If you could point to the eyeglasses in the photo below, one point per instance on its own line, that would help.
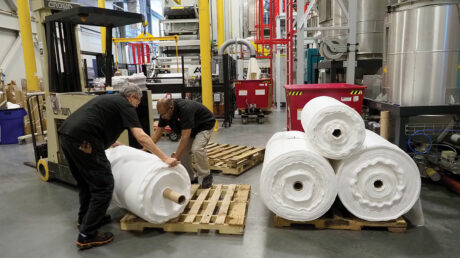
(163, 114)
(137, 98)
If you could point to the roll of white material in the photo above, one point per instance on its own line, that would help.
(141, 178)
(334, 129)
(378, 183)
(296, 183)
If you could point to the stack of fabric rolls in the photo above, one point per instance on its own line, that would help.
(303, 173)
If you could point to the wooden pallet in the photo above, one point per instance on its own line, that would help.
(233, 159)
(333, 220)
(222, 208)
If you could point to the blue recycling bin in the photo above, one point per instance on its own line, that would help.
(11, 125)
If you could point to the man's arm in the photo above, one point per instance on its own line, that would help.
(184, 140)
(157, 134)
(147, 142)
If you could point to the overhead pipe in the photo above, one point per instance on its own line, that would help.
(235, 42)
(27, 45)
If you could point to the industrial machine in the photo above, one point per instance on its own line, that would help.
(334, 17)
(181, 18)
(253, 97)
(312, 58)
(421, 84)
(64, 83)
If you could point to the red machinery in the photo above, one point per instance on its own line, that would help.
(299, 95)
(253, 97)
(140, 54)
(288, 7)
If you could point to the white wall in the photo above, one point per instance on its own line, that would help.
(89, 41)
(15, 69)
(7, 37)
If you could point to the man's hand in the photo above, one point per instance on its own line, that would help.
(116, 144)
(172, 162)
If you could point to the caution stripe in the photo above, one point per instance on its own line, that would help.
(295, 93)
(356, 92)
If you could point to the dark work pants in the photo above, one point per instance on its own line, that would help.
(95, 182)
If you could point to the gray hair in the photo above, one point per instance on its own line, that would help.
(129, 89)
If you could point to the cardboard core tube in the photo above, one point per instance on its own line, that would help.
(173, 196)
(385, 124)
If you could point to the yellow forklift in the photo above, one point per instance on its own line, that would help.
(64, 82)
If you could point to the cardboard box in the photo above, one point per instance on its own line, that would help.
(34, 109)
(13, 94)
(34, 112)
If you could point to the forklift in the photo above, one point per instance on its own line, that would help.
(64, 80)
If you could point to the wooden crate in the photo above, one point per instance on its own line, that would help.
(233, 159)
(222, 208)
(337, 220)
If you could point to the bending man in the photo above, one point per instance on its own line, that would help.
(194, 123)
(84, 136)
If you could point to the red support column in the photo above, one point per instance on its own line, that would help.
(148, 52)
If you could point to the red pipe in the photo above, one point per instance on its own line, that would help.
(139, 56)
(133, 49)
(148, 52)
(452, 184)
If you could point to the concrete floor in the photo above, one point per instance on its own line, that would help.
(37, 219)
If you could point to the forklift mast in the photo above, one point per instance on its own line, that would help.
(63, 75)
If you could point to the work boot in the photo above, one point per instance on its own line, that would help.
(207, 181)
(86, 242)
(194, 180)
(105, 220)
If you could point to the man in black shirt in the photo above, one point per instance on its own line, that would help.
(194, 123)
(84, 136)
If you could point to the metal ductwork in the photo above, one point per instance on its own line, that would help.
(237, 41)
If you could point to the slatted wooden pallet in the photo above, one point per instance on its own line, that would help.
(333, 220)
(222, 208)
(233, 159)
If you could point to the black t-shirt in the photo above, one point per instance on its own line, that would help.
(101, 120)
(189, 114)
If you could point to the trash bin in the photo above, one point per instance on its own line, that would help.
(257, 93)
(11, 125)
(299, 95)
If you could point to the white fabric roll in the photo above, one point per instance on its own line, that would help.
(378, 183)
(296, 183)
(141, 178)
(334, 129)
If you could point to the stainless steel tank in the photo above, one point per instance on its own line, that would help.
(370, 25)
(422, 56)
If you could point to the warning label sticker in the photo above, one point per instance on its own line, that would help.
(355, 98)
(260, 92)
(243, 93)
(345, 99)
(299, 113)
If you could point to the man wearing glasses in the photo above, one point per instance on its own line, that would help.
(194, 123)
(84, 136)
